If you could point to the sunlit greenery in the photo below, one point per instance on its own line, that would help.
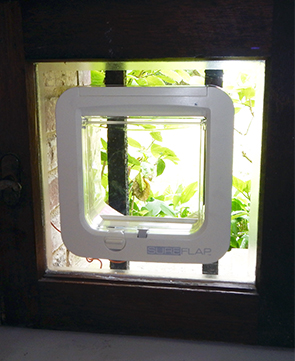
(148, 201)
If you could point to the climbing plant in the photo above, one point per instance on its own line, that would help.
(152, 158)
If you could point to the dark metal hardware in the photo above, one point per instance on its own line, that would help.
(10, 187)
(118, 166)
(212, 77)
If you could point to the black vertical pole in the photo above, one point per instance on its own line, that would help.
(117, 160)
(212, 77)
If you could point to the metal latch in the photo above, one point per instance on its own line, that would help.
(10, 187)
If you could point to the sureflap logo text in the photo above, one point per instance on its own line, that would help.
(176, 251)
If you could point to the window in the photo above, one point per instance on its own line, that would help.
(244, 82)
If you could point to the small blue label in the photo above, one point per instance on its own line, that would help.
(165, 251)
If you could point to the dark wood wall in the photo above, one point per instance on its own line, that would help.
(34, 30)
(131, 29)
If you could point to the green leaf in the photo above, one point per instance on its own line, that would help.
(133, 160)
(239, 184)
(141, 183)
(104, 181)
(159, 151)
(160, 166)
(154, 207)
(141, 81)
(143, 212)
(167, 79)
(148, 126)
(167, 210)
(247, 188)
(244, 77)
(168, 191)
(103, 156)
(188, 192)
(134, 204)
(176, 200)
(241, 94)
(160, 198)
(245, 241)
(104, 143)
(249, 92)
(154, 81)
(193, 72)
(234, 227)
(242, 187)
(239, 214)
(237, 205)
(157, 136)
(179, 189)
(184, 212)
(185, 76)
(97, 78)
(135, 73)
(233, 242)
(172, 74)
(134, 143)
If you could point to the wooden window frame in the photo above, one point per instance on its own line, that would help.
(255, 314)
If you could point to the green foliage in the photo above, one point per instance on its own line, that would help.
(157, 77)
(188, 192)
(243, 96)
(163, 152)
(146, 201)
(161, 165)
(242, 187)
(97, 77)
(240, 214)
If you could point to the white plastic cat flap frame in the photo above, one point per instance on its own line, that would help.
(91, 228)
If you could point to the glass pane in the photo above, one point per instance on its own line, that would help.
(163, 181)
(243, 81)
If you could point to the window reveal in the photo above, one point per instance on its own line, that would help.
(127, 110)
(234, 260)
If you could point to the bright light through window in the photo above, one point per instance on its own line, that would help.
(243, 81)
